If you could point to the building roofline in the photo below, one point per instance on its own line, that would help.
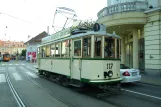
(37, 38)
(153, 9)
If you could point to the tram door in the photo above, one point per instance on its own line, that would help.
(38, 56)
(75, 60)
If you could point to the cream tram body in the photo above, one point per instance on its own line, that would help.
(91, 57)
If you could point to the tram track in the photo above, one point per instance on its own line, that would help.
(100, 95)
(18, 99)
(44, 89)
(95, 97)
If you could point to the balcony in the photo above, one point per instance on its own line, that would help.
(123, 7)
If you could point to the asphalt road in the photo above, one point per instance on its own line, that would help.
(37, 91)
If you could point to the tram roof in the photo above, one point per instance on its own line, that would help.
(99, 33)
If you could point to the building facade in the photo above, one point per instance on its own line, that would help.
(31, 46)
(11, 47)
(138, 23)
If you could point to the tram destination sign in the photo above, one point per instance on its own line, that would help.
(58, 35)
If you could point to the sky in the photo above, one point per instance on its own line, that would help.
(21, 18)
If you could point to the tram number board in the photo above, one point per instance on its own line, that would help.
(109, 65)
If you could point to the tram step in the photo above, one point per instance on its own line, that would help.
(76, 85)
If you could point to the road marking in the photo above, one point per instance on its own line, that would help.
(16, 76)
(16, 64)
(10, 64)
(141, 94)
(22, 64)
(3, 64)
(2, 78)
(31, 74)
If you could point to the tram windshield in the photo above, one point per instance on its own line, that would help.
(6, 55)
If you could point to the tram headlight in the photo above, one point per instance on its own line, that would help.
(110, 73)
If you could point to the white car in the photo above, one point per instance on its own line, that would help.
(129, 75)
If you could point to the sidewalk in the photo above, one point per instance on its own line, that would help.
(154, 80)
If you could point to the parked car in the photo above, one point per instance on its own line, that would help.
(129, 75)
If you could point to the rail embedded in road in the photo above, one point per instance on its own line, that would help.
(14, 92)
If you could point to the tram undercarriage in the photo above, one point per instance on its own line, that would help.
(65, 81)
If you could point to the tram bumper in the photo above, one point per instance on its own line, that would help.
(106, 81)
(108, 84)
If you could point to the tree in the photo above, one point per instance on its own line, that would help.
(86, 25)
(23, 53)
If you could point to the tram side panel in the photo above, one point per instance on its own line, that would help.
(58, 66)
(61, 66)
(45, 64)
(94, 69)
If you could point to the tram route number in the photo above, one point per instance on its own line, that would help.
(109, 65)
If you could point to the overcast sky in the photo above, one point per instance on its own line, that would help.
(20, 18)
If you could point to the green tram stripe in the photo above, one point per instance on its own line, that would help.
(81, 58)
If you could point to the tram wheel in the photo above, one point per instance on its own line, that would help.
(40, 72)
(66, 82)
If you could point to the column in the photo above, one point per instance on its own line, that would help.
(123, 49)
(135, 49)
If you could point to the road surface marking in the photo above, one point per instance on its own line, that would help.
(3, 64)
(2, 78)
(16, 76)
(17, 64)
(22, 64)
(10, 64)
(141, 94)
(31, 74)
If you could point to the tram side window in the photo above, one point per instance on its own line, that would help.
(86, 47)
(48, 51)
(52, 50)
(98, 46)
(57, 50)
(69, 49)
(38, 52)
(109, 47)
(64, 48)
(43, 51)
(118, 48)
(77, 48)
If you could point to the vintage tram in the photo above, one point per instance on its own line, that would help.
(80, 56)
(6, 57)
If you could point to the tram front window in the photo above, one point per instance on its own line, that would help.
(98, 46)
(109, 48)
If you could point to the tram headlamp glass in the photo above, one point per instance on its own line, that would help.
(110, 73)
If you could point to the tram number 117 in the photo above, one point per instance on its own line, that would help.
(109, 65)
